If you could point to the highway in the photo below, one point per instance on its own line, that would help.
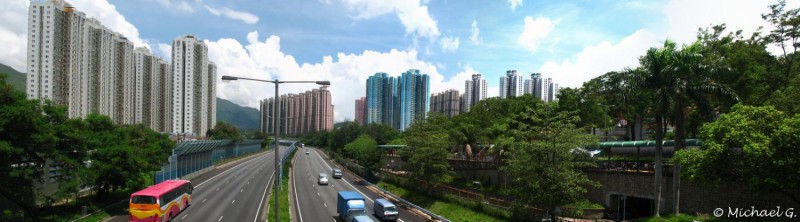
(236, 192)
(315, 203)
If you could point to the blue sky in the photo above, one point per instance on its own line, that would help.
(345, 41)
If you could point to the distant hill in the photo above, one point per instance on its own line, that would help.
(16, 78)
(242, 117)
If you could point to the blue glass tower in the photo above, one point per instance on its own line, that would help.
(397, 101)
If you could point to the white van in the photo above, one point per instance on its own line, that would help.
(385, 210)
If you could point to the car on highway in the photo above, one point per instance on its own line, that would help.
(306, 152)
(323, 179)
(337, 173)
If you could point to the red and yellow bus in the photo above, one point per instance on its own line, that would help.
(160, 202)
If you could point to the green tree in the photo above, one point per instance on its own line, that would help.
(126, 155)
(754, 145)
(225, 131)
(382, 133)
(366, 151)
(427, 145)
(346, 133)
(785, 35)
(545, 161)
(24, 146)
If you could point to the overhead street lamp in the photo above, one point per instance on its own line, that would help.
(275, 122)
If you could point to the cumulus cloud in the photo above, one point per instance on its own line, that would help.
(14, 34)
(233, 14)
(449, 44)
(413, 14)
(263, 59)
(598, 59)
(475, 32)
(514, 4)
(165, 51)
(534, 32)
(176, 4)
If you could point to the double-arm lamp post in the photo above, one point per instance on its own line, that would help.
(275, 122)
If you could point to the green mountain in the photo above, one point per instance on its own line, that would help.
(243, 118)
(16, 78)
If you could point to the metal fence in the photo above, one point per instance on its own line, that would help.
(192, 158)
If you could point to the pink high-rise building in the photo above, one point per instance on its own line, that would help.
(361, 108)
(298, 114)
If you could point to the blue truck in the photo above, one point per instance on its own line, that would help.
(351, 207)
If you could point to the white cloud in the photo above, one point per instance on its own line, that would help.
(474, 37)
(413, 14)
(449, 44)
(176, 4)
(233, 14)
(514, 4)
(686, 16)
(348, 73)
(14, 34)
(596, 60)
(534, 32)
(165, 51)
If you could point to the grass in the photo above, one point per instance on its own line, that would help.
(449, 210)
(283, 194)
(679, 218)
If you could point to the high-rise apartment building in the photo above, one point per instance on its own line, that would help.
(511, 85)
(543, 89)
(397, 101)
(124, 82)
(361, 109)
(381, 98)
(413, 97)
(302, 113)
(447, 103)
(152, 84)
(474, 91)
(191, 85)
(552, 91)
(75, 61)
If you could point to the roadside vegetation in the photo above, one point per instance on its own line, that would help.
(452, 208)
(283, 194)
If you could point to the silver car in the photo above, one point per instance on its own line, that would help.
(323, 179)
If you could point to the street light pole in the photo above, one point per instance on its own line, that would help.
(275, 126)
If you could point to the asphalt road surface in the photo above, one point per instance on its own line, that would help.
(236, 192)
(317, 203)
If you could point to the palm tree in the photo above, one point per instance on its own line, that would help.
(691, 85)
(681, 80)
(655, 65)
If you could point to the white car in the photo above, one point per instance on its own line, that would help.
(306, 152)
(323, 179)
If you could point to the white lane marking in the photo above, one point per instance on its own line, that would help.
(294, 187)
(248, 182)
(184, 216)
(326, 205)
(223, 172)
(241, 190)
(401, 220)
(204, 200)
(318, 194)
(262, 196)
(345, 181)
(220, 218)
(234, 201)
